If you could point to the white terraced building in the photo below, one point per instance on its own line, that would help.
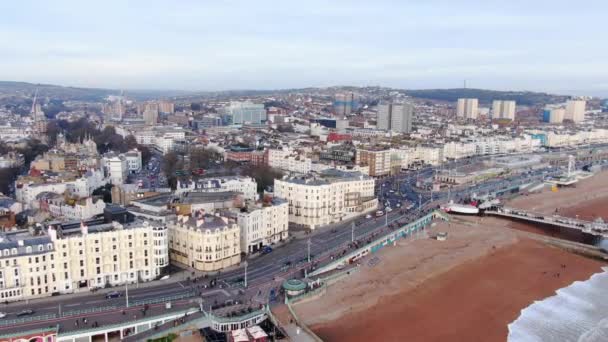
(245, 185)
(262, 224)
(72, 258)
(330, 197)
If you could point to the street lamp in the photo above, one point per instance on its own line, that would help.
(246, 264)
(308, 243)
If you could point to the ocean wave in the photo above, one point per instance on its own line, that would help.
(577, 313)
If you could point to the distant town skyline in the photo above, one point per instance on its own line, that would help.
(205, 46)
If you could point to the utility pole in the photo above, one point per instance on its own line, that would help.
(309, 242)
(246, 264)
(419, 204)
(352, 232)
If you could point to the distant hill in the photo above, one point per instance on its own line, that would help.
(54, 91)
(487, 96)
(80, 94)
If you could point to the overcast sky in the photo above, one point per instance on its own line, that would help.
(548, 45)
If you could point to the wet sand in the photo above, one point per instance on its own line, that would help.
(472, 302)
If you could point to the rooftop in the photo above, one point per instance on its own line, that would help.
(327, 177)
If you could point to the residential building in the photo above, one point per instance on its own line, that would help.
(166, 107)
(502, 109)
(116, 167)
(70, 257)
(332, 196)
(11, 159)
(150, 117)
(467, 108)
(575, 110)
(554, 115)
(345, 103)
(396, 117)
(263, 223)
(378, 161)
(71, 208)
(205, 242)
(241, 184)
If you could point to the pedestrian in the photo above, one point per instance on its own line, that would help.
(76, 323)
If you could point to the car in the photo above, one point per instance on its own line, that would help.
(2, 314)
(266, 250)
(25, 312)
(379, 213)
(368, 216)
(113, 294)
(398, 205)
(388, 209)
(165, 277)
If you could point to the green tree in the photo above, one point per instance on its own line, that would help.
(264, 175)
(7, 178)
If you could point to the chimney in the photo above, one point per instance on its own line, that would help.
(52, 233)
(84, 230)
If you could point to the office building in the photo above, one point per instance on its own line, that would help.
(396, 117)
(503, 109)
(575, 110)
(467, 108)
(331, 196)
(246, 112)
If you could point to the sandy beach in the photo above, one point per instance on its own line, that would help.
(468, 288)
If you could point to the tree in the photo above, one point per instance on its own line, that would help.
(264, 175)
(33, 149)
(104, 191)
(7, 178)
(201, 158)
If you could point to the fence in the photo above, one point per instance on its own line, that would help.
(88, 311)
(14, 321)
(163, 299)
(382, 241)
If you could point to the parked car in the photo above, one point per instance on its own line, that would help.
(266, 249)
(2, 314)
(25, 312)
(165, 277)
(368, 216)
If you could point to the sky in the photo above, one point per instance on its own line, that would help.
(543, 45)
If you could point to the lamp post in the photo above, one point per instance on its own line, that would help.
(246, 264)
(308, 244)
